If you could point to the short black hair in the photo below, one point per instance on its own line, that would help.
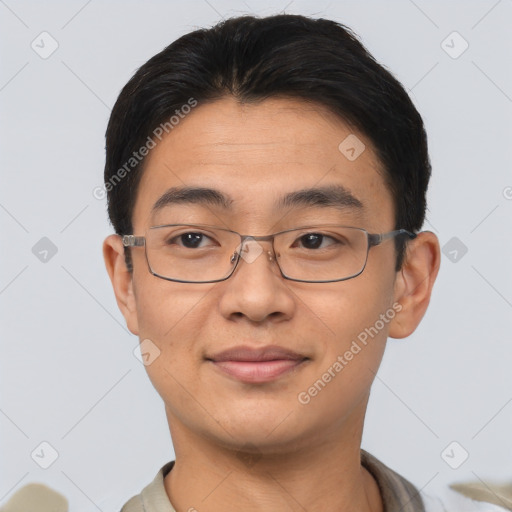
(252, 59)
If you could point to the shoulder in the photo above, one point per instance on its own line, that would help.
(399, 493)
(153, 497)
(134, 504)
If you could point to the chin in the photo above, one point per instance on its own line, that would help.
(256, 444)
(274, 432)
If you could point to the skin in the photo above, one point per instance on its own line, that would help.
(254, 446)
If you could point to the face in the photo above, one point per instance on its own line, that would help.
(255, 154)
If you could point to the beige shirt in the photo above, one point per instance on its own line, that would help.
(397, 493)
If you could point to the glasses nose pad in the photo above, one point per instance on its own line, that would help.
(236, 254)
(273, 255)
(248, 250)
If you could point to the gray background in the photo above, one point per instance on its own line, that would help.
(68, 373)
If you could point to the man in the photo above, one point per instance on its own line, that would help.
(266, 180)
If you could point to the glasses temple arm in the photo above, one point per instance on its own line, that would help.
(133, 241)
(376, 239)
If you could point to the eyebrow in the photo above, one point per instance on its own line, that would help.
(193, 195)
(335, 196)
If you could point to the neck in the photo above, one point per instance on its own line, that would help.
(317, 476)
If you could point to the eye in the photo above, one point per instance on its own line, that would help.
(314, 240)
(189, 240)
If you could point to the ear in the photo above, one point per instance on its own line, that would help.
(121, 278)
(414, 282)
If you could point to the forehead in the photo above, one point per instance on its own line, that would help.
(259, 153)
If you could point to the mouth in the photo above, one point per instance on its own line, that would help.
(257, 365)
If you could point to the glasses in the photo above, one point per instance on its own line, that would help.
(199, 253)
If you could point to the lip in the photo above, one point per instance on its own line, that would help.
(257, 365)
(246, 353)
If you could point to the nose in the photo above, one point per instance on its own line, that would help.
(257, 290)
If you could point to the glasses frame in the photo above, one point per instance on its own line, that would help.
(373, 239)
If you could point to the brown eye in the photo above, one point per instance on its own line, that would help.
(314, 240)
(189, 240)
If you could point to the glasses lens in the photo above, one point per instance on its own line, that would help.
(191, 253)
(327, 253)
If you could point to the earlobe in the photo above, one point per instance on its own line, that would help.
(122, 280)
(414, 282)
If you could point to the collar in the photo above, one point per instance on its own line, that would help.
(397, 493)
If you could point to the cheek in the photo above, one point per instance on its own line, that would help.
(349, 351)
(348, 323)
(171, 317)
(339, 313)
(166, 308)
